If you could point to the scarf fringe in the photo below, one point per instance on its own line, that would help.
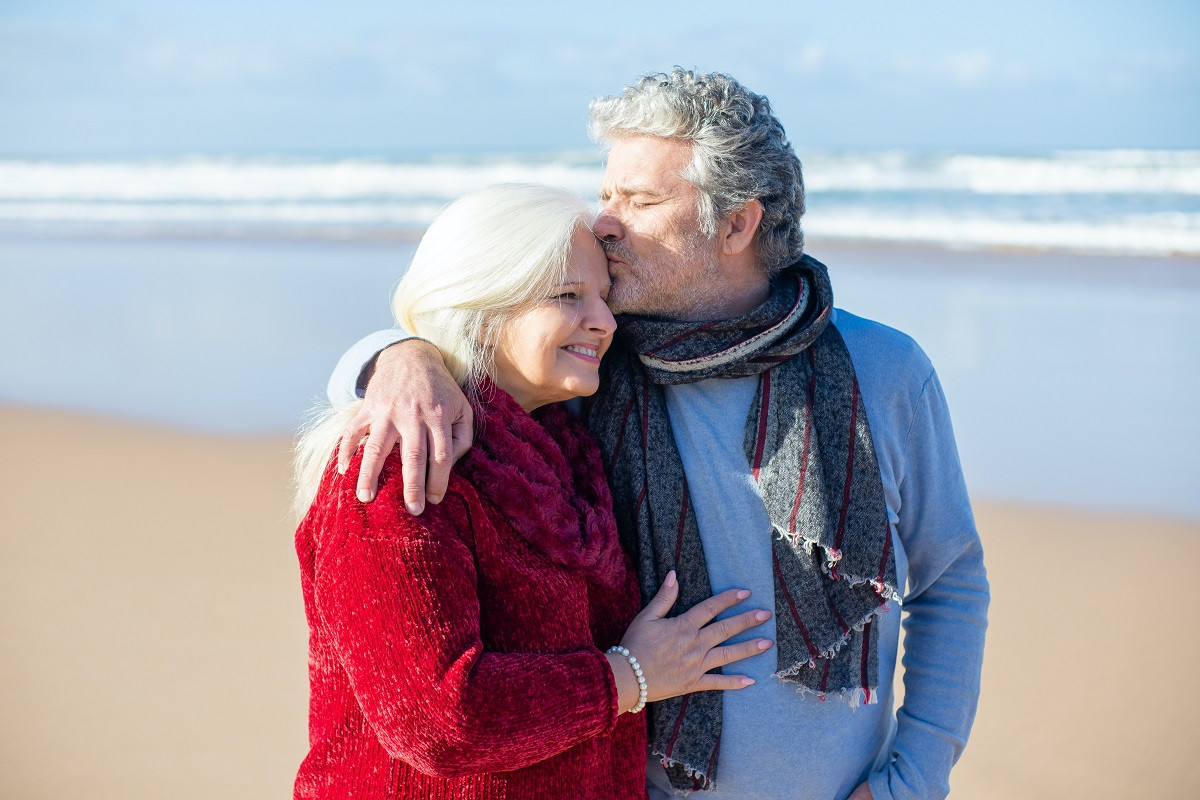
(835, 648)
(832, 557)
(853, 696)
(694, 773)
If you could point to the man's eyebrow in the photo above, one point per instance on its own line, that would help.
(631, 189)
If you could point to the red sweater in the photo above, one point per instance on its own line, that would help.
(452, 656)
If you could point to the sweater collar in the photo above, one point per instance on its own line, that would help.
(542, 472)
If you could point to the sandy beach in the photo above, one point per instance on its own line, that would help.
(154, 639)
(204, 206)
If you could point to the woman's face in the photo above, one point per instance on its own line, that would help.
(552, 351)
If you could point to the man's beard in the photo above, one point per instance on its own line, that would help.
(689, 300)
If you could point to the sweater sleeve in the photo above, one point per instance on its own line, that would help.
(946, 609)
(348, 381)
(398, 595)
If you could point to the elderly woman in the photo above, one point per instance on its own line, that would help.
(493, 647)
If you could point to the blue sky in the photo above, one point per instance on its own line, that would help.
(136, 76)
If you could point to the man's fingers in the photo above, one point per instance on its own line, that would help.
(720, 656)
(703, 612)
(712, 635)
(462, 432)
(438, 477)
(414, 458)
(662, 601)
(351, 438)
(712, 682)
(375, 452)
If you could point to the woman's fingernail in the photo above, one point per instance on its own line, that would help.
(763, 644)
(435, 499)
(743, 594)
(747, 681)
(415, 508)
(670, 581)
(364, 496)
(762, 616)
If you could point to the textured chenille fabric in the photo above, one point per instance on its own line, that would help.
(811, 454)
(459, 654)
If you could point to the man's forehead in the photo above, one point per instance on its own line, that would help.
(639, 164)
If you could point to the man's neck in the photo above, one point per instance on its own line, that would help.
(733, 300)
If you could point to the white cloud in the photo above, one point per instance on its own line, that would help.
(808, 59)
(970, 69)
(209, 63)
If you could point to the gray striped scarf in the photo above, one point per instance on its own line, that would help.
(810, 451)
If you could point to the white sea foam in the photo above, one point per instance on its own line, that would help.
(1134, 201)
(306, 214)
(1169, 233)
(243, 180)
(1070, 172)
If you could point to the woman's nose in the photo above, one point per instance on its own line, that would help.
(600, 320)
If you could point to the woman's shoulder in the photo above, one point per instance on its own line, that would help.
(337, 507)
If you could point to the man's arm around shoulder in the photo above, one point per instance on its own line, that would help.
(410, 400)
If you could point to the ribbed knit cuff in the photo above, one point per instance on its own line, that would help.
(610, 684)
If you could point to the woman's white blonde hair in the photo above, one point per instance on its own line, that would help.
(488, 255)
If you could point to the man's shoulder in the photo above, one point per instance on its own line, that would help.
(879, 350)
(862, 331)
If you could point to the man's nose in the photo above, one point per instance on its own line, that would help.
(608, 228)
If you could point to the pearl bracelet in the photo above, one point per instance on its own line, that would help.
(637, 671)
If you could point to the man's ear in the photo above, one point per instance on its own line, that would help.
(739, 226)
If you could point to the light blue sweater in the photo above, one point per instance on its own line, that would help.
(776, 743)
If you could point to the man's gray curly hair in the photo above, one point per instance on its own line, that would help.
(739, 150)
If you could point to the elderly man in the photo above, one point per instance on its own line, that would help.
(757, 437)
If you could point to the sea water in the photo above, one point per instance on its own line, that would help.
(1139, 201)
(215, 294)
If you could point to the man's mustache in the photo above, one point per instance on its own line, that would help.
(617, 250)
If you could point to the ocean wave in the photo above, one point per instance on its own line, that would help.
(307, 214)
(1137, 201)
(1069, 172)
(239, 179)
(1167, 233)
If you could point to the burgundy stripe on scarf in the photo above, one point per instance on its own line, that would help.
(782, 584)
(681, 337)
(670, 748)
(808, 409)
(841, 530)
(621, 434)
(682, 523)
(865, 663)
(887, 553)
(761, 441)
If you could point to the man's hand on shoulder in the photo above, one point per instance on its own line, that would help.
(413, 402)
